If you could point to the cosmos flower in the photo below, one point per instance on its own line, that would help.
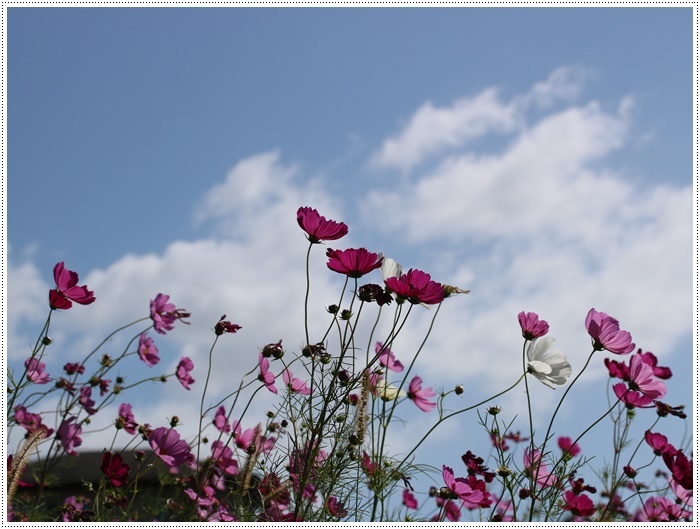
(183, 372)
(265, 376)
(605, 332)
(168, 446)
(69, 435)
(420, 396)
(460, 488)
(387, 358)
(353, 262)
(148, 352)
(295, 385)
(67, 289)
(113, 466)
(532, 326)
(35, 371)
(318, 228)
(165, 314)
(549, 366)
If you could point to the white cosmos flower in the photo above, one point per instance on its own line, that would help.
(390, 268)
(549, 366)
(388, 391)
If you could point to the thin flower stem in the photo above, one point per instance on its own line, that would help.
(204, 392)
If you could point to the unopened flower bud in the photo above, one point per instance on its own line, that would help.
(494, 410)
(345, 314)
(498, 517)
(629, 471)
(106, 361)
(524, 493)
(119, 380)
(325, 358)
(459, 389)
(174, 421)
(504, 471)
(270, 415)
(119, 423)
(284, 423)
(140, 455)
(333, 309)
(163, 379)
(343, 376)
(46, 340)
(432, 492)
(251, 449)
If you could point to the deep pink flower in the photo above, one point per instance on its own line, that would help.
(31, 421)
(409, 500)
(115, 469)
(531, 325)
(167, 445)
(450, 508)
(387, 358)
(69, 435)
(336, 508)
(606, 334)
(416, 287)
(617, 369)
(67, 289)
(578, 504)
(680, 466)
(220, 420)
(475, 466)
(660, 509)
(183, 372)
(126, 419)
(148, 352)
(461, 488)
(223, 327)
(265, 376)
(659, 443)
(317, 228)
(538, 469)
(85, 401)
(630, 398)
(35, 371)
(72, 368)
(295, 385)
(642, 379)
(661, 372)
(223, 456)
(164, 314)
(353, 262)
(566, 445)
(420, 396)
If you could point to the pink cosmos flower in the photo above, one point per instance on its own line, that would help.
(252, 438)
(661, 372)
(578, 504)
(630, 398)
(317, 228)
(420, 396)
(126, 419)
(223, 456)
(85, 401)
(148, 352)
(659, 443)
(461, 488)
(660, 509)
(606, 334)
(416, 287)
(409, 500)
(220, 421)
(35, 371)
(387, 358)
(265, 376)
(336, 508)
(451, 509)
(617, 369)
(295, 385)
(183, 372)
(353, 262)
(67, 289)
(566, 445)
(642, 379)
(115, 469)
(681, 468)
(69, 435)
(164, 314)
(31, 421)
(72, 368)
(167, 445)
(537, 468)
(531, 325)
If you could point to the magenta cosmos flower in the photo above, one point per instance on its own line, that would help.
(387, 358)
(67, 289)
(606, 334)
(164, 314)
(114, 468)
(183, 372)
(318, 228)
(69, 435)
(295, 385)
(353, 262)
(642, 379)
(126, 419)
(148, 352)
(416, 287)
(420, 396)
(532, 326)
(460, 487)
(167, 445)
(265, 376)
(567, 446)
(35, 371)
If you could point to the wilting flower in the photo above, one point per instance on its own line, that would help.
(606, 334)
(567, 446)
(265, 376)
(295, 385)
(353, 262)
(115, 469)
(642, 379)
(549, 367)
(461, 488)
(69, 435)
(420, 396)
(73, 367)
(416, 287)
(183, 372)
(164, 314)
(126, 419)
(167, 445)
(67, 289)
(35, 371)
(148, 352)
(532, 326)
(373, 292)
(387, 358)
(317, 228)
(224, 326)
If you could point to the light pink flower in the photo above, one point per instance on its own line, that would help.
(318, 228)
(420, 396)
(69, 435)
(642, 379)
(67, 289)
(220, 421)
(295, 385)
(538, 469)
(31, 421)
(35, 371)
(531, 325)
(168, 446)
(353, 262)
(387, 358)
(265, 376)
(606, 334)
(148, 352)
(85, 401)
(223, 456)
(183, 372)
(165, 314)
(461, 488)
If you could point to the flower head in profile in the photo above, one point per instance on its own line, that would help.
(549, 366)
(184, 367)
(220, 420)
(409, 500)
(567, 446)
(538, 469)
(148, 352)
(265, 376)
(416, 287)
(113, 466)
(578, 504)
(86, 401)
(461, 488)
(642, 379)
(387, 358)
(35, 371)
(69, 434)
(353, 262)
(126, 419)
(420, 396)
(32, 422)
(532, 326)
(164, 314)
(67, 289)
(605, 333)
(168, 446)
(295, 385)
(318, 228)
(385, 391)
(224, 326)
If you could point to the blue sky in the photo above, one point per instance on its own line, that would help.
(541, 157)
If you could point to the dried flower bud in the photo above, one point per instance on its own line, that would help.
(449, 290)
(273, 349)
(106, 361)
(524, 493)
(284, 423)
(270, 415)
